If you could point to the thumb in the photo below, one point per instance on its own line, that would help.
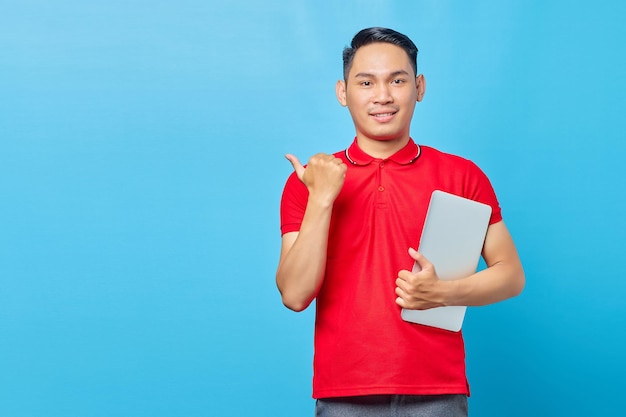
(297, 166)
(420, 259)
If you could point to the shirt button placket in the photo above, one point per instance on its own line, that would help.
(381, 197)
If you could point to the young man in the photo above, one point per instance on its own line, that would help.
(350, 222)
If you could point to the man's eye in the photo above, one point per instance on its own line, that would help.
(397, 81)
(366, 83)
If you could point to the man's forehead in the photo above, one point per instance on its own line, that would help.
(380, 59)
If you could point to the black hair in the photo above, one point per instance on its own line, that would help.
(378, 34)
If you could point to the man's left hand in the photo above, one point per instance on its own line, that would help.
(421, 290)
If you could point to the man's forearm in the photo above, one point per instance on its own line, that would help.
(303, 258)
(494, 284)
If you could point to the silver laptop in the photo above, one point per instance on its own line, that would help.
(452, 239)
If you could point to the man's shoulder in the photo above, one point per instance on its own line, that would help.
(428, 152)
(339, 154)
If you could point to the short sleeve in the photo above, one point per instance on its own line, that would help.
(293, 204)
(479, 188)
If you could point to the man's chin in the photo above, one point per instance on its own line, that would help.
(386, 138)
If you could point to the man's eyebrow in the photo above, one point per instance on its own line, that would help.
(368, 75)
(399, 72)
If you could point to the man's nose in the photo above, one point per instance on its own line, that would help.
(382, 93)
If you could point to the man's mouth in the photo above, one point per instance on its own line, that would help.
(383, 116)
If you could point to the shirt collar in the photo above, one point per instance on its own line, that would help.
(405, 156)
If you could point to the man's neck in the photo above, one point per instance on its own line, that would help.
(381, 149)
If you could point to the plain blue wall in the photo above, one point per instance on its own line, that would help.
(141, 166)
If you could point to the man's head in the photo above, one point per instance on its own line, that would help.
(380, 89)
(378, 34)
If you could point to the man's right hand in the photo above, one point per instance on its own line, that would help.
(323, 176)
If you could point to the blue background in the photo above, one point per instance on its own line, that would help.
(141, 167)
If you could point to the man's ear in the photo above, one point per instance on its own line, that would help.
(340, 90)
(420, 82)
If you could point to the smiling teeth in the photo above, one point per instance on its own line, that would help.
(383, 114)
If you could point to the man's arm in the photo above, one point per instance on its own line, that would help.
(503, 278)
(303, 254)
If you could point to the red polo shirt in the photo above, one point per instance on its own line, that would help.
(362, 346)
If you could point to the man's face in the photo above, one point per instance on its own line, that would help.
(381, 92)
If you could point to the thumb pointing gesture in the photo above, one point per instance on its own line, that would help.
(323, 176)
(297, 166)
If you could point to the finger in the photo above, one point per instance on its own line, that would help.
(400, 297)
(420, 259)
(297, 166)
(401, 293)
